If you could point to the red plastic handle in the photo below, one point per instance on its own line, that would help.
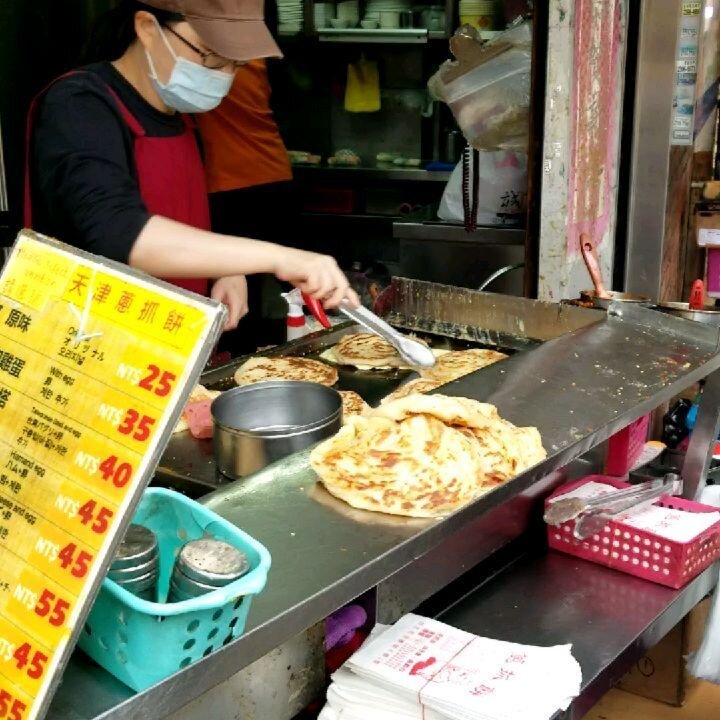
(697, 295)
(316, 308)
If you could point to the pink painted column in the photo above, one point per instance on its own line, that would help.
(585, 85)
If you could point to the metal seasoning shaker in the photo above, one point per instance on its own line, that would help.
(137, 562)
(203, 566)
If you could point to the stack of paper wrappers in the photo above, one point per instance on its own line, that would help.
(422, 669)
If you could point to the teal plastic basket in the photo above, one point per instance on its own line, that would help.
(142, 642)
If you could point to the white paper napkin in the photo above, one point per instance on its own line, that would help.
(422, 669)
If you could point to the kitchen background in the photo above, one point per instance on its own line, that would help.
(377, 216)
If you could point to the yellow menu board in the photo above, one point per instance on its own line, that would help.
(96, 363)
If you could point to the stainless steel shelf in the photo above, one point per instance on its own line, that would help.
(331, 35)
(412, 36)
(367, 174)
(441, 231)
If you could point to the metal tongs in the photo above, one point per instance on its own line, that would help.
(593, 515)
(412, 352)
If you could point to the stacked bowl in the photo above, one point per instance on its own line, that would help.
(387, 12)
(348, 13)
(323, 14)
(290, 16)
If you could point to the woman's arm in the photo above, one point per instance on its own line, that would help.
(166, 248)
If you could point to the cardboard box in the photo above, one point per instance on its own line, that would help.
(711, 190)
(707, 227)
(661, 675)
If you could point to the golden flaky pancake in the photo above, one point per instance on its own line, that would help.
(366, 351)
(419, 385)
(263, 369)
(424, 456)
(199, 393)
(454, 365)
(353, 404)
(418, 467)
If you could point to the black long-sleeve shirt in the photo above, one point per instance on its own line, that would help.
(84, 183)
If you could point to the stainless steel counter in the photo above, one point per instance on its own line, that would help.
(578, 389)
(610, 618)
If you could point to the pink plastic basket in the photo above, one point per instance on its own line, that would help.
(638, 552)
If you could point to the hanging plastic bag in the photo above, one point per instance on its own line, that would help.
(705, 663)
(488, 88)
(501, 191)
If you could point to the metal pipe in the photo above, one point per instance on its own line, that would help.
(499, 273)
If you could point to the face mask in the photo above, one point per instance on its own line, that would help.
(191, 88)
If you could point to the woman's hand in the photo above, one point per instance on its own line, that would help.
(317, 275)
(233, 293)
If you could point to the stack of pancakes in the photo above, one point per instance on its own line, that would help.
(424, 456)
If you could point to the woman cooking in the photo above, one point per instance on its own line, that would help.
(113, 163)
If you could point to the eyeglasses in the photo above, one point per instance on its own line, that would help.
(210, 60)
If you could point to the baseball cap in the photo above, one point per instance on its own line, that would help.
(234, 29)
